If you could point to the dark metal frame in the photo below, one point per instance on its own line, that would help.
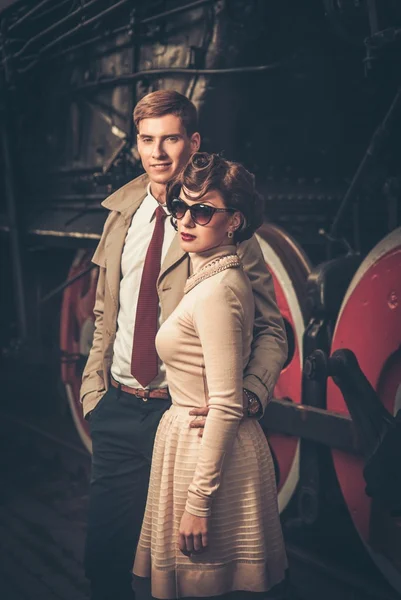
(313, 424)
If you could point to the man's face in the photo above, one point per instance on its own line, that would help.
(164, 147)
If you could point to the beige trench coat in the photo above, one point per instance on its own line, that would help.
(269, 349)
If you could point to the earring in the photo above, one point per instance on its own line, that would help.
(230, 234)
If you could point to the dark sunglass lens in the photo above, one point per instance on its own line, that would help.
(202, 213)
(178, 208)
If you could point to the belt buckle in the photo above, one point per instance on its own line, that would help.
(146, 395)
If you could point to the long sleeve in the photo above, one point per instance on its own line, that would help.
(93, 386)
(269, 346)
(218, 320)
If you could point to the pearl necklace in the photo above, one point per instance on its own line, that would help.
(215, 266)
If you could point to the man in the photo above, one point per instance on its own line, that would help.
(124, 389)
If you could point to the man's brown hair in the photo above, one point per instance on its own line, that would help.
(167, 102)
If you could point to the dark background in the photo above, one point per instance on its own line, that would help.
(302, 92)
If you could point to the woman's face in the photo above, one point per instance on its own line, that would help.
(199, 238)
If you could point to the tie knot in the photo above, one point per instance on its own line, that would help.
(160, 213)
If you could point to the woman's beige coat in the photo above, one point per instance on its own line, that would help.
(269, 349)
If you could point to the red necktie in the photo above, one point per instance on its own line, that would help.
(144, 361)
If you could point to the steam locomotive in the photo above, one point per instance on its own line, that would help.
(307, 96)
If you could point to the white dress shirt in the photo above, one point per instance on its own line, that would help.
(132, 261)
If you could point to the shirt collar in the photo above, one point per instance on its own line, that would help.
(150, 204)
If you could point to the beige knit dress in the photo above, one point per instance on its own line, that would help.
(228, 474)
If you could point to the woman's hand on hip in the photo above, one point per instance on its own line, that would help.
(193, 534)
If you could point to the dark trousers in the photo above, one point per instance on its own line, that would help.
(123, 429)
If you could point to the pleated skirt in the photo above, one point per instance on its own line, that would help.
(246, 549)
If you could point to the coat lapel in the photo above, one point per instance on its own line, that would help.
(125, 201)
(173, 256)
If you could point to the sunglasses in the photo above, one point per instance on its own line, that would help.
(201, 214)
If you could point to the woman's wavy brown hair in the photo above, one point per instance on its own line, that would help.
(205, 172)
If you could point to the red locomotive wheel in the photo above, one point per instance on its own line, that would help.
(76, 334)
(369, 324)
(290, 268)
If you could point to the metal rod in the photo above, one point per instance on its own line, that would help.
(73, 170)
(79, 204)
(66, 284)
(29, 14)
(70, 235)
(109, 109)
(71, 198)
(126, 79)
(115, 155)
(15, 242)
(53, 8)
(91, 41)
(179, 9)
(65, 19)
(314, 424)
(373, 19)
(77, 12)
(136, 52)
(70, 49)
(374, 145)
(83, 25)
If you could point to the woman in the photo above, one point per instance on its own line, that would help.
(211, 524)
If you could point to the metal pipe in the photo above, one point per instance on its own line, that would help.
(73, 170)
(152, 19)
(126, 79)
(373, 19)
(175, 11)
(55, 233)
(136, 53)
(52, 8)
(374, 145)
(66, 284)
(29, 14)
(72, 198)
(76, 205)
(313, 424)
(93, 40)
(15, 242)
(83, 25)
(65, 19)
(97, 38)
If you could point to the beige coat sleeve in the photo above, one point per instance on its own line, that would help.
(269, 347)
(220, 331)
(93, 387)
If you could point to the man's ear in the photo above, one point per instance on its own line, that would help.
(195, 141)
